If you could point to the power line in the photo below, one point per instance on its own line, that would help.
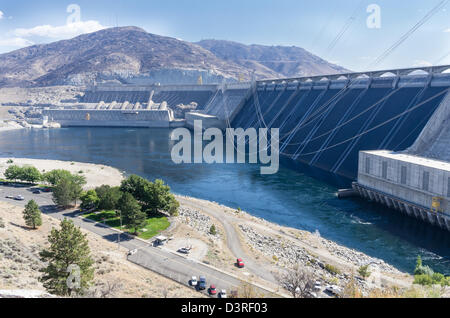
(345, 28)
(410, 32)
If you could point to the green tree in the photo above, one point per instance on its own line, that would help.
(131, 212)
(69, 268)
(421, 269)
(30, 174)
(153, 197)
(32, 215)
(54, 176)
(159, 198)
(108, 197)
(364, 271)
(89, 200)
(13, 173)
(66, 192)
(137, 186)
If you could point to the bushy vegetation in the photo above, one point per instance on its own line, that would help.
(89, 200)
(425, 276)
(108, 197)
(154, 197)
(364, 271)
(25, 174)
(213, 230)
(142, 205)
(332, 269)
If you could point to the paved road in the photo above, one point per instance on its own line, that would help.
(234, 241)
(158, 260)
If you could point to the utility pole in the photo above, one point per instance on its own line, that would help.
(120, 230)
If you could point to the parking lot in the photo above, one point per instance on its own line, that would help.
(43, 199)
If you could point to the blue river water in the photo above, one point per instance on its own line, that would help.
(291, 197)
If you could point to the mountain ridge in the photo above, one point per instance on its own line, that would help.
(130, 53)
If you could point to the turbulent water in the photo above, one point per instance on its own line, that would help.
(291, 197)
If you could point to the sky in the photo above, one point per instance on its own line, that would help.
(352, 33)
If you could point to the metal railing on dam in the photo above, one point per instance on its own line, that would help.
(325, 121)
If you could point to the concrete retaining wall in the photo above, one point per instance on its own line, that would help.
(110, 118)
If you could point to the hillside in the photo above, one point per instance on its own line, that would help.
(131, 55)
(287, 61)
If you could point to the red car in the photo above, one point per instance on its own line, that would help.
(240, 263)
(212, 290)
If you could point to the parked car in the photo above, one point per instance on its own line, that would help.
(19, 198)
(317, 286)
(212, 290)
(9, 197)
(194, 281)
(223, 294)
(47, 190)
(202, 283)
(131, 253)
(184, 250)
(36, 191)
(240, 263)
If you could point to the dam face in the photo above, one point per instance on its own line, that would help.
(326, 122)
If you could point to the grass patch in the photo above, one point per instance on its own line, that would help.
(332, 269)
(153, 227)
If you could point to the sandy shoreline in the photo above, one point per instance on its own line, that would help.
(248, 228)
(96, 175)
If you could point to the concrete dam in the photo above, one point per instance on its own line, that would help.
(325, 122)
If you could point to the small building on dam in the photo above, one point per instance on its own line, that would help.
(416, 186)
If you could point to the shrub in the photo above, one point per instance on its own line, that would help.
(424, 280)
(332, 269)
(89, 200)
(364, 271)
(213, 230)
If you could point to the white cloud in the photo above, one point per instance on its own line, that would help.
(61, 32)
(1, 15)
(15, 42)
(447, 30)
